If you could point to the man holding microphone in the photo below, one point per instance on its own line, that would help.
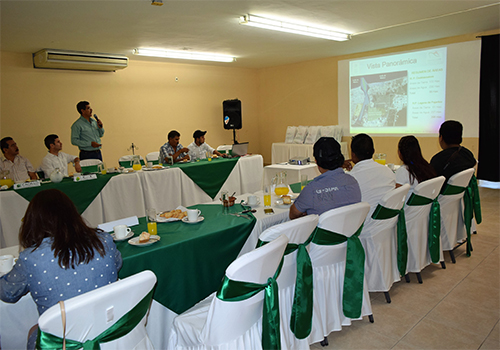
(86, 132)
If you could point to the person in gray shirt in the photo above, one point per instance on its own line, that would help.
(332, 189)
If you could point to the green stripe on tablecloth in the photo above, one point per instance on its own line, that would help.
(209, 176)
(81, 193)
(190, 259)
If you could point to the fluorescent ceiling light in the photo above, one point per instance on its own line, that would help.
(301, 29)
(186, 55)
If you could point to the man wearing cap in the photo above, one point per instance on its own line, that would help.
(198, 148)
(332, 189)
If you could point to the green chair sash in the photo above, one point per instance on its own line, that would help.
(302, 309)
(231, 290)
(90, 169)
(123, 326)
(472, 206)
(352, 298)
(434, 235)
(383, 213)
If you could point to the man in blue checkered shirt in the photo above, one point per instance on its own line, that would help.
(173, 149)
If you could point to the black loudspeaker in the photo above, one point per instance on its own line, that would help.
(232, 114)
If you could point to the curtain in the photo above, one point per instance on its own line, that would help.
(489, 113)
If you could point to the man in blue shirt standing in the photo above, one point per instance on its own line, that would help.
(86, 133)
(332, 189)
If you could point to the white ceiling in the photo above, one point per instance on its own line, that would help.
(119, 26)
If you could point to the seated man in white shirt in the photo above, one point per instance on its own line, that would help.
(374, 179)
(20, 168)
(57, 159)
(198, 149)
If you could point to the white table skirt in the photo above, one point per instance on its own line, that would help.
(282, 152)
(293, 172)
(131, 194)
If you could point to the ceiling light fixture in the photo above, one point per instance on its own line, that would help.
(267, 23)
(185, 55)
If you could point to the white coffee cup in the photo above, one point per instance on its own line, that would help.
(193, 215)
(150, 165)
(252, 200)
(6, 263)
(121, 231)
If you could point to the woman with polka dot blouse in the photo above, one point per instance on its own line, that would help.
(62, 256)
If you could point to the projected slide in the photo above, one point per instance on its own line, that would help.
(398, 93)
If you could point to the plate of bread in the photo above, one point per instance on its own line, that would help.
(172, 215)
(284, 202)
(144, 239)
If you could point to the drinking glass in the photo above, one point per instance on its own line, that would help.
(267, 196)
(209, 156)
(102, 169)
(151, 216)
(303, 181)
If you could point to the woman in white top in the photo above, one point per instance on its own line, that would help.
(415, 168)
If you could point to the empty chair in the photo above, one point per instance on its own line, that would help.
(90, 165)
(384, 240)
(225, 149)
(453, 228)
(340, 292)
(113, 316)
(236, 316)
(295, 280)
(153, 157)
(126, 161)
(423, 223)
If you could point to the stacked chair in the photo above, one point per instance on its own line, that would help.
(423, 223)
(243, 313)
(111, 317)
(459, 201)
(90, 165)
(295, 281)
(385, 242)
(340, 291)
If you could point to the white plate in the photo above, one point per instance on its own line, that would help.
(153, 169)
(127, 171)
(185, 219)
(135, 241)
(251, 205)
(279, 204)
(162, 219)
(130, 234)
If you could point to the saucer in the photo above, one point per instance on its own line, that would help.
(279, 204)
(251, 205)
(185, 219)
(130, 234)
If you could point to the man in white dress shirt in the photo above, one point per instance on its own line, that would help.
(20, 168)
(374, 179)
(199, 148)
(57, 159)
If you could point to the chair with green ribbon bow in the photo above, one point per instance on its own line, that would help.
(110, 317)
(456, 201)
(90, 165)
(384, 240)
(153, 157)
(295, 281)
(423, 226)
(338, 259)
(244, 313)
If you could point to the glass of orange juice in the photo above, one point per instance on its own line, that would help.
(267, 196)
(380, 158)
(151, 216)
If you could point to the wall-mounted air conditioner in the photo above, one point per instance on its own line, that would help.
(59, 59)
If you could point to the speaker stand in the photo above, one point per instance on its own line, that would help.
(234, 137)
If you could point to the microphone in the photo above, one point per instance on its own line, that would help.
(96, 118)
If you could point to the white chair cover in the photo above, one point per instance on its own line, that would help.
(452, 218)
(216, 324)
(329, 269)
(297, 231)
(128, 158)
(90, 162)
(380, 242)
(417, 225)
(152, 156)
(90, 314)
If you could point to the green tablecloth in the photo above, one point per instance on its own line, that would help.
(81, 193)
(296, 187)
(190, 259)
(209, 176)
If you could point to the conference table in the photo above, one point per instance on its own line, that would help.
(293, 172)
(189, 262)
(114, 196)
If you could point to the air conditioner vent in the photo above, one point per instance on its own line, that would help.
(75, 60)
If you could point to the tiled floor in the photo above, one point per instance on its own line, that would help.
(455, 308)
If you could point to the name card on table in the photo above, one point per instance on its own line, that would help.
(35, 183)
(78, 178)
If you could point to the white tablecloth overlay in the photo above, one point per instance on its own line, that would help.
(293, 172)
(282, 152)
(131, 194)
